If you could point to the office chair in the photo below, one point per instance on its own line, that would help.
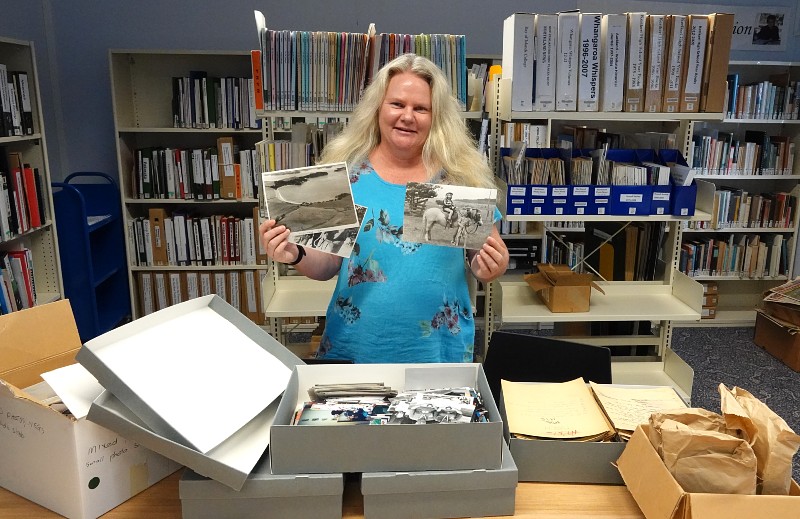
(528, 358)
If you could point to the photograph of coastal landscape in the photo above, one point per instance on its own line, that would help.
(313, 198)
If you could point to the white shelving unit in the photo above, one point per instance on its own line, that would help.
(142, 95)
(738, 296)
(42, 241)
(676, 297)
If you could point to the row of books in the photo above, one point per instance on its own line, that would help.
(17, 286)
(200, 101)
(182, 239)
(532, 135)
(633, 62)
(16, 113)
(240, 288)
(328, 71)
(716, 152)
(22, 206)
(562, 249)
(557, 167)
(303, 149)
(737, 208)
(773, 98)
(751, 256)
(211, 173)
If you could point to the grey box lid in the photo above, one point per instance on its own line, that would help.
(442, 480)
(229, 463)
(261, 484)
(180, 366)
(120, 409)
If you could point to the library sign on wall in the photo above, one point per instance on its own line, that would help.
(758, 27)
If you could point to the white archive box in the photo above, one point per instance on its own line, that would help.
(395, 447)
(441, 494)
(198, 382)
(61, 461)
(263, 496)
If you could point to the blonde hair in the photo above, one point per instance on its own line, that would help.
(449, 147)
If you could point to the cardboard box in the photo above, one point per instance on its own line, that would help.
(441, 494)
(660, 496)
(71, 466)
(710, 287)
(212, 341)
(708, 312)
(710, 300)
(398, 447)
(779, 338)
(561, 289)
(788, 313)
(263, 496)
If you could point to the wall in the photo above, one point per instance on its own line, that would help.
(72, 41)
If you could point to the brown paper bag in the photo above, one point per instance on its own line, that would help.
(772, 440)
(708, 461)
(696, 418)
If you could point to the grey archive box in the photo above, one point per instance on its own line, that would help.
(395, 447)
(441, 494)
(562, 461)
(197, 382)
(263, 496)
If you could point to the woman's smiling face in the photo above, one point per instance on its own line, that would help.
(405, 115)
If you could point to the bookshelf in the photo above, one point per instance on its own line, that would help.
(42, 241)
(143, 92)
(753, 108)
(671, 297)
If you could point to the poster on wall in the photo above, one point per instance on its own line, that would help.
(756, 28)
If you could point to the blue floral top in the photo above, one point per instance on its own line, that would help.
(397, 301)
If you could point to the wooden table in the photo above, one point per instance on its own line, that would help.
(534, 501)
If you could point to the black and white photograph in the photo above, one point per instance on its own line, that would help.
(452, 216)
(768, 30)
(339, 242)
(313, 198)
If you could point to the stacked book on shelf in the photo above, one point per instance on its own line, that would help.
(209, 173)
(328, 71)
(773, 98)
(240, 288)
(22, 203)
(737, 208)
(17, 285)
(632, 62)
(753, 256)
(747, 152)
(186, 239)
(202, 101)
(16, 113)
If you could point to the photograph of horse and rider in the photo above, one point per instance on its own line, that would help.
(453, 216)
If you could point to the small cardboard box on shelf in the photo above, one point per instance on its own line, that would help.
(561, 289)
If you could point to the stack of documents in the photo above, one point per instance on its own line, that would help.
(563, 411)
(630, 406)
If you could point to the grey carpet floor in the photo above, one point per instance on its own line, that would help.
(729, 356)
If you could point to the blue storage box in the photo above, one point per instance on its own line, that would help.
(548, 200)
(631, 200)
(683, 198)
(517, 200)
(589, 200)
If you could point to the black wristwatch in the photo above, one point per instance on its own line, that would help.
(301, 252)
